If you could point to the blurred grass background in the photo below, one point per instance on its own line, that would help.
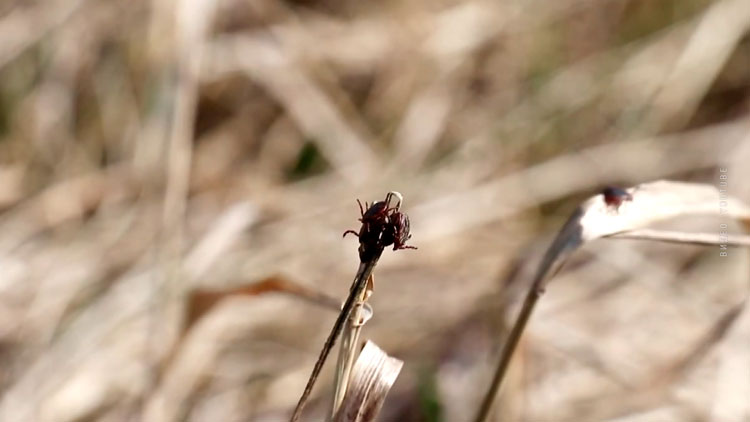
(154, 153)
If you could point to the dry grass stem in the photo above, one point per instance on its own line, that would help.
(349, 347)
(358, 287)
(647, 203)
(682, 237)
(165, 164)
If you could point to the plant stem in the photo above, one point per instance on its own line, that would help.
(731, 239)
(357, 289)
(348, 350)
(510, 346)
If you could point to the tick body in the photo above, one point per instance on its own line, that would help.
(383, 226)
(375, 213)
(374, 220)
(397, 231)
(614, 196)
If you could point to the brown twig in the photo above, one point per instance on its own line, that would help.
(358, 286)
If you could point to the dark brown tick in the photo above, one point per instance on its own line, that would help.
(375, 212)
(373, 218)
(397, 231)
(382, 226)
(614, 196)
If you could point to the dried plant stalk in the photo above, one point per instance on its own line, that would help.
(596, 218)
(358, 286)
(682, 237)
(348, 352)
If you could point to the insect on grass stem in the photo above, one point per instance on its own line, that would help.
(375, 222)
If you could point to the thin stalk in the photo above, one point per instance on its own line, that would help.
(736, 240)
(357, 289)
(551, 263)
(347, 353)
(507, 353)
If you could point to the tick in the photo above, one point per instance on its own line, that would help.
(374, 218)
(396, 232)
(614, 196)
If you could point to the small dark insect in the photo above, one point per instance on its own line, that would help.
(374, 222)
(396, 232)
(614, 196)
(373, 219)
(383, 226)
(376, 212)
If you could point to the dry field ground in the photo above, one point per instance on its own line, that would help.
(175, 177)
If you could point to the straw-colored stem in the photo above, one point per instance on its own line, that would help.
(347, 354)
(358, 287)
(733, 239)
(510, 346)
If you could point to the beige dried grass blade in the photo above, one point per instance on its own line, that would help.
(651, 202)
(593, 219)
(349, 341)
(372, 378)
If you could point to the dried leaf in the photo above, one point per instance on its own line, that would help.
(372, 378)
(649, 203)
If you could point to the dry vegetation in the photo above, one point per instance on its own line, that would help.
(176, 176)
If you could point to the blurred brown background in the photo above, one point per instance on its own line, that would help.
(159, 157)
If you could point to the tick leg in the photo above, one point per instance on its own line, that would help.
(350, 231)
(361, 210)
(395, 248)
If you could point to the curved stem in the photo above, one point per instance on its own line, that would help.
(510, 346)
